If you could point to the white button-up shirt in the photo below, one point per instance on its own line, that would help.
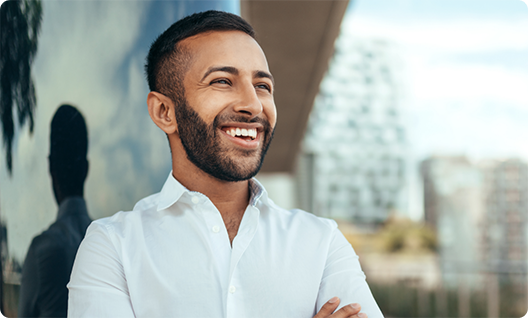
(171, 257)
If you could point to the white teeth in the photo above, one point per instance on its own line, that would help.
(242, 132)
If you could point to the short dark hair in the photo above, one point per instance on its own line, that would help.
(167, 61)
(68, 149)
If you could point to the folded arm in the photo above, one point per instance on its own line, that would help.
(344, 278)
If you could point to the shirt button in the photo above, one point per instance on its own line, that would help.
(232, 289)
(216, 229)
(195, 200)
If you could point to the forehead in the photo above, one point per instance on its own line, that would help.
(225, 48)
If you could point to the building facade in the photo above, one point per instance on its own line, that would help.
(504, 227)
(453, 206)
(352, 163)
(480, 212)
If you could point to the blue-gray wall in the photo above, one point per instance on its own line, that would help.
(91, 55)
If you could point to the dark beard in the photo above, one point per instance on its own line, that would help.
(202, 144)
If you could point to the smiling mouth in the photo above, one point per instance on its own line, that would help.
(243, 133)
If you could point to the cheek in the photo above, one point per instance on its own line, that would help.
(271, 113)
(206, 109)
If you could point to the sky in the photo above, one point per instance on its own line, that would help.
(466, 68)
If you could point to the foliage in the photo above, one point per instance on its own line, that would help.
(19, 28)
(400, 235)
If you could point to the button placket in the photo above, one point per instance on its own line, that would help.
(235, 297)
(217, 238)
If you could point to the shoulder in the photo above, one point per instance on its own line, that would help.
(125, 223)
(48, 240)
(297, 219)
(48, 254)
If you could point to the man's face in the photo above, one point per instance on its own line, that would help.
(227, 119)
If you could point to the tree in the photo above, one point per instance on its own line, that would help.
(19, 28)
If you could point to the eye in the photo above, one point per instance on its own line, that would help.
(223, 81)
(264, 86)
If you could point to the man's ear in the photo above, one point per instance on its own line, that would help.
(161, 110)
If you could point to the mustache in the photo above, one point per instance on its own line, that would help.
(223, 118)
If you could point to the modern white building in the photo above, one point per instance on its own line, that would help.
(454, 207)
(352, 163)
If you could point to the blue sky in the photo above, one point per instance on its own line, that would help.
(439, 9)
(465, 65)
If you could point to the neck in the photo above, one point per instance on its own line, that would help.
(230, 198)
(61, 195)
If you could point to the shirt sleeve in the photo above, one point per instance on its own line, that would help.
(343, 277)
(98, 286)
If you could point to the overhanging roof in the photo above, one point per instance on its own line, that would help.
(297, 37)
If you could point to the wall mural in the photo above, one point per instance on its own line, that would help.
(89, 55)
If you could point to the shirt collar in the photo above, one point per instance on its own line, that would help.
(72, 205)
(258, 193)
(170, 193)
(173, 190)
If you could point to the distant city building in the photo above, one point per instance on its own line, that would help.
(352, 165)
(480, 212)
(505, 236)
(453, 205)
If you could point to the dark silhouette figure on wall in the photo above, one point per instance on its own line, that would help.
(50, 257)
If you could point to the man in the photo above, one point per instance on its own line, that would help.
(211, 243)
(50, 257)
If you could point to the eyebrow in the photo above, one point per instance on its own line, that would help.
(234, 71)
(261, 74)
(227, 69)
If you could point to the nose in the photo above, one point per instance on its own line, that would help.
(249, 102)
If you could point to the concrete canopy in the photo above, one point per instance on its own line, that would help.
(297, 37)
